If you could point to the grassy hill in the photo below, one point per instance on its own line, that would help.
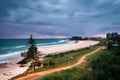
(104, 65)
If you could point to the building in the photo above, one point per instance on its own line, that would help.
(112, 36)
(108, 36)
(112, 40)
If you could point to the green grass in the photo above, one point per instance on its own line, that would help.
(62, 61)
(97, 54)
(71, 74)
(86, 72)
(66, 59)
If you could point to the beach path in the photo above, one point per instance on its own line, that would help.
(81, 60)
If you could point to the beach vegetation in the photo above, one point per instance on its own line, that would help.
(38, 63)
(103, 65)
(57, 61)
(68, 58)
(51, 63)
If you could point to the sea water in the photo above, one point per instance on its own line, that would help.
(11, 49)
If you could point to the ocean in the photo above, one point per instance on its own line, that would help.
(11, 49)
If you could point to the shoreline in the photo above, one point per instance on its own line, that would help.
(62, 48)
(13, 69)
(18, 53)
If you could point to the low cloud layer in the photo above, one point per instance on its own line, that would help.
(52, 18)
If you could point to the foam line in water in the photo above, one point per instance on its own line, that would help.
(4, 48)
(62, 41)
(20, 46)
(10, 56)
(12, 47)
(54, 43)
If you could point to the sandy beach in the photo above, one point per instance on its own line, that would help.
(67, 47)
(12, 69)
(9, 70)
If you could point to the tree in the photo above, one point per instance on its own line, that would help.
(31, 41)
(32, 53)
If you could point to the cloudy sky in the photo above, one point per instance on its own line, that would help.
(58, 18)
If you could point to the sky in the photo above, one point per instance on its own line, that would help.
(58, 18)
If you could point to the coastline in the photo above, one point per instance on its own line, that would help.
(8, 53)
(12, 69)
(62, 48)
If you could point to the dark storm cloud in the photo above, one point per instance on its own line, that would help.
(111, 28)
(58, 17)
(8, 5)
(18, 30)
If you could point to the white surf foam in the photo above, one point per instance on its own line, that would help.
(10, 56)
(54, 43)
